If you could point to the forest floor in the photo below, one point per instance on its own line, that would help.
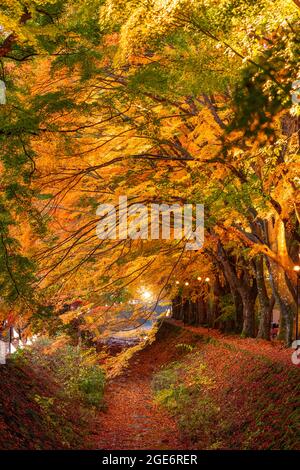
(273, 350)
(255, 387)
(191, 388)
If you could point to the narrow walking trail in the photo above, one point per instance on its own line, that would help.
(131, 419)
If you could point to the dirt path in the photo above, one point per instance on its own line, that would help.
(132, 420)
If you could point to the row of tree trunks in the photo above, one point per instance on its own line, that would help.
(192, 313)
(244, 288)
(254, 287)
(205, 310)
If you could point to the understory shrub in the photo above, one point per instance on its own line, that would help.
(75, 370)
(184, 396)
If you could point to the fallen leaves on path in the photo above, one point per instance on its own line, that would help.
(132, 420)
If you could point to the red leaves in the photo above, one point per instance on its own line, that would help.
(253, 384)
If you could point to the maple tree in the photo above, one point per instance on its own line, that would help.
(171, 102)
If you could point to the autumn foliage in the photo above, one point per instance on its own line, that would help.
(165, 102)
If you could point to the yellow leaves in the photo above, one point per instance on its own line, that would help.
(204, 141)
(87, 153)
(57, 343)
(11, 12)
(140, 22)
(180, 176)
(111, 39)
(8, 24)
(66, 318)
(220, 172)
(14, 18)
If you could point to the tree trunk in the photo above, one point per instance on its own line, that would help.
(248, 299)
(276, 235)
(297, 2)
(266, 305)
(202, 313)
(285, 301)
(246, 289)
(238, 320)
